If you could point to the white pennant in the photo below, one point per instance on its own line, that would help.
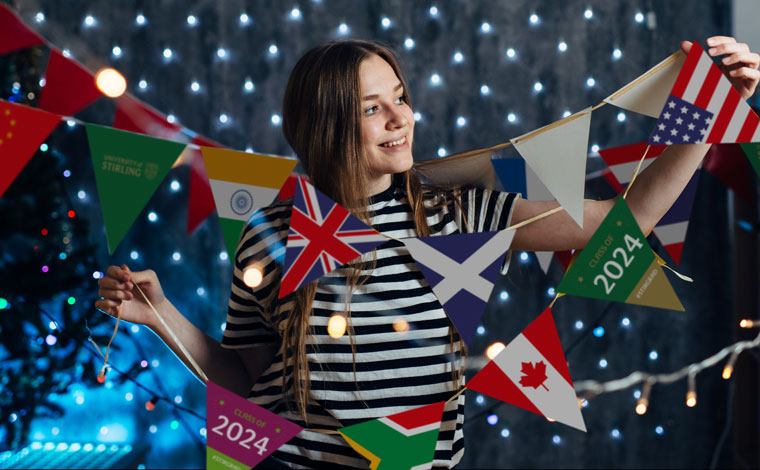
(468, 168)
(557, 154)
(648, 93)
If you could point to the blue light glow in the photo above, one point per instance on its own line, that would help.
(492, 419)
(599, 331)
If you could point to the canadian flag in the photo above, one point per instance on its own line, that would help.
(531, 372)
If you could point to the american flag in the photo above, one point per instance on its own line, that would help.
(703, 107)
(322, 237)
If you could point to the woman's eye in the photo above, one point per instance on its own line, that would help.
(370, 111)
(401, 99)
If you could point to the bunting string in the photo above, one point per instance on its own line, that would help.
(636, 171)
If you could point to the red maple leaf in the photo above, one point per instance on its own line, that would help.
(534, 376)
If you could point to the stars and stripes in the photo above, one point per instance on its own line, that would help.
(322, 237)
(703, 107)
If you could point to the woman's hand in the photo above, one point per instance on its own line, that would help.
(740, 65)
(117, 288)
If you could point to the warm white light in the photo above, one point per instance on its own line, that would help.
(409, 43)
(400, 325)
(110, 82)
(494, 349)
(336, 325)
(562, 46)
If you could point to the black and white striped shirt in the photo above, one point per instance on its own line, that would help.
(395, 371)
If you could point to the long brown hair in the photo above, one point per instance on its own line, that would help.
(322, 122)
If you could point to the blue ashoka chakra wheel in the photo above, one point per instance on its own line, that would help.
(241, 202)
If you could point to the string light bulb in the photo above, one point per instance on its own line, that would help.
(747, 323)
(729, 368)
(150, 405)
(336, 325)
(252, 276)
(643, 402)
(691, 395)
(494, 349)
(110, 82)
(400, 325)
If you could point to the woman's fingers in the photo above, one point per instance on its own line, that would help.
(748, 58)
(111, 283)
(745, 72)
(115, 294)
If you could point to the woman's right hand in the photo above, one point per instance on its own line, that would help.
(117, 288)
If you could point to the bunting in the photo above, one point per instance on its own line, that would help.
(241, 183)
(14, 34)
(461, 269)
(22, 130)
(69, 87)
(322, 237)
(135, 116)
(618, 264)
(531, 372)
(401, 441)
(128, 169)
(240, 433)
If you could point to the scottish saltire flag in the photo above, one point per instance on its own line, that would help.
(461, 269)
(671, 229)
(511, 173)
(531, 372)
(323, 236)
(401, 441)
(703, 107)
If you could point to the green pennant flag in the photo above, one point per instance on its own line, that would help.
(618, 264)
(752, 151)
(128, 169)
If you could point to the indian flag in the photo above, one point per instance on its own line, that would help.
(404, 440)
(531, 372)
(241, 183)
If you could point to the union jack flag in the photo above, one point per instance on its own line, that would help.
(323, 236)
(703, 107)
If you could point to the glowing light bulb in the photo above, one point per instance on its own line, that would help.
(691, 399)
(400, 325)
(343, 28)
(336, 325)
(494, 349)
(111, 82)
(252, 276)
(562, 46)
(409, 43)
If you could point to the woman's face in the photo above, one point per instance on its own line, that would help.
(387, 122)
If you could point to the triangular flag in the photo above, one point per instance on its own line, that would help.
(14, 34)
(200, 203)
(322, 237)
(461, 269)
(531, 372)
(22, 130)
(128, 169)
(703, 107)
(288, 189)
(69, 87)
(511, 172)
(241, 183)
(648, 93)
(618, 264)
(135, 116)
(557, 154)
(671, 229)
(753, 155)
(728, 163)
(401, 441)
(240, 433)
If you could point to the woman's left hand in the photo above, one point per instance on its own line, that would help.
(740, 65)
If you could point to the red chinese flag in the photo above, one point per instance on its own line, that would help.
(201, 201)
(69, 87)
(135, 116)
(14, 34)
(22, 130)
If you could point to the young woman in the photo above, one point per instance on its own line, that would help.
(349, 119)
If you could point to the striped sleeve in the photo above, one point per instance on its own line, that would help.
(484, 210)
(262, 247)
